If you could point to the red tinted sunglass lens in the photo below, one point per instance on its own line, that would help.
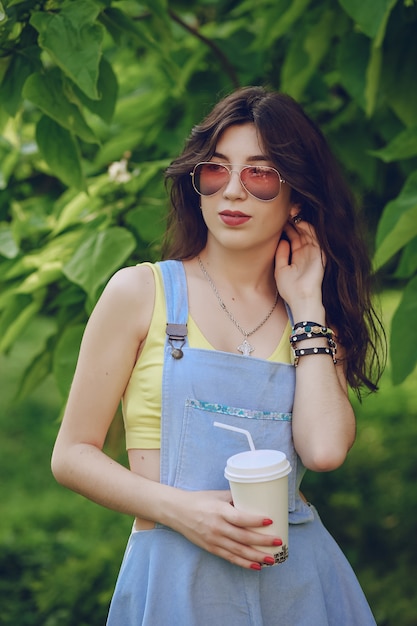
(209, 178)
(262, 182)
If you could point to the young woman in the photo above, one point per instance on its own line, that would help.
(260, 319)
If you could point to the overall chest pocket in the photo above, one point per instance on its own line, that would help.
(204, 449)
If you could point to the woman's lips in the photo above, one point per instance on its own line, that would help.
(233, 218)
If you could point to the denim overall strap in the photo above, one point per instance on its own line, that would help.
(176, 304)
(176, 298)
(175, 284)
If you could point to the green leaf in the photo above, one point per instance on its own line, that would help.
(373, 74)
(55, 251)
(8, 245)
(398, 224)
(30, 214)
(123, 23)
(9, 157)
(352, 59)
(371, 17)
(398, 77)
(21, 267)
(159, 8)
(46, 92)
(35, 373)
(404, 335)
(107, 88)
(120, 24)
(149, 221)
(307, 48)
(16, 327)
(46, 275)
(73, 39)
(350, 143)
(58, 147)
(12, 306)
(403, 146)
(98, 257)
(65, 357)
(278, 20)
(407, 266)
(22, 64)
(77, 208)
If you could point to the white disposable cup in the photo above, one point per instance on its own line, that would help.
(259, 484)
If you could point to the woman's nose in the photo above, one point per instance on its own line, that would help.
(234, 188)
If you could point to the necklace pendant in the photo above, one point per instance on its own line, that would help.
(245, 348)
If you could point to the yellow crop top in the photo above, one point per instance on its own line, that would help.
(141, 402)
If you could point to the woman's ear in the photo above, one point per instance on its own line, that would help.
(295, 211)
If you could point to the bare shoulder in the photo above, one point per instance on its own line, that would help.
(129, 297)
(130, 283)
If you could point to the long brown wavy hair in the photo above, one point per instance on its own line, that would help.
(298, 149)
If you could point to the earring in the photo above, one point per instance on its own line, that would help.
(297, 219)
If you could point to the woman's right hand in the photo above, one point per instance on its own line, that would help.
(209, 520)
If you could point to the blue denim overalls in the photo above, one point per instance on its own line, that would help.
(165, 580)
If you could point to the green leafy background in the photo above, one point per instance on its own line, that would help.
(96, 97)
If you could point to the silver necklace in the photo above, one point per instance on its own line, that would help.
(245, 347)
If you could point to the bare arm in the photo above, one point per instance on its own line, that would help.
(113, 337)
(323, 418)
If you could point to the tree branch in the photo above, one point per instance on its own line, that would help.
(227, 66)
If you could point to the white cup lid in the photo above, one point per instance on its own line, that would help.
(257, 466)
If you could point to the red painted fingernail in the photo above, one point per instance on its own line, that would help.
(267, 522)
(256, 566)
(277, 542)
(269, 560)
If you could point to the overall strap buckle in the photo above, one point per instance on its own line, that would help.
(176, 332)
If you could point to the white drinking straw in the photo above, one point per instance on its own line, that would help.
(237, 430)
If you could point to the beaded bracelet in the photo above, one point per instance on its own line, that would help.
(309, 329)
(306, 351)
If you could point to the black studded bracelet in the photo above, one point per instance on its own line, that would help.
(307, 351)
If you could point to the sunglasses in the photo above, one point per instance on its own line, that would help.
(260, 181)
